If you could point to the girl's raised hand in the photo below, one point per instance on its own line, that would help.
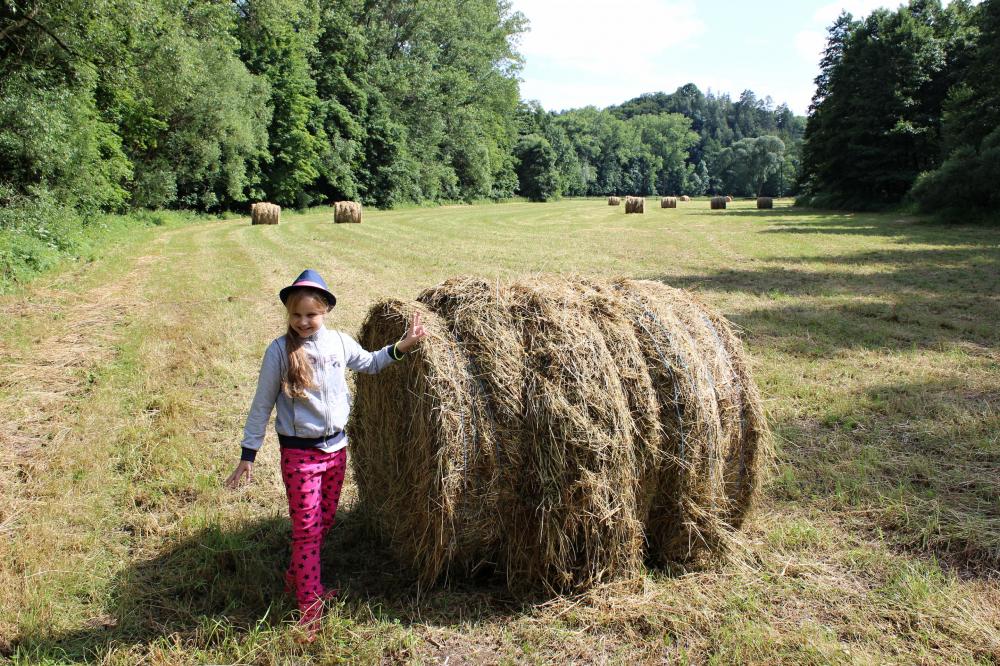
(414, 333)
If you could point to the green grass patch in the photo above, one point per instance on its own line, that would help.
(873, 341)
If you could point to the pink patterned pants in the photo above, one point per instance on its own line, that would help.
(313, 480)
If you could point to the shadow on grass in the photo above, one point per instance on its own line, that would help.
(895, 299)
(234, 578)
(902, 228)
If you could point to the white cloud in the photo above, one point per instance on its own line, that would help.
(588, 36)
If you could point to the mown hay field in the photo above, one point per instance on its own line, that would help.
(124, 384)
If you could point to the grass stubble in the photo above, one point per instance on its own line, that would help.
(125, 384)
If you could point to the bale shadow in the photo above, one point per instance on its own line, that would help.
(234, 578)
(783, 212)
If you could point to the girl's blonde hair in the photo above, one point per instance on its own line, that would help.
(299, 376)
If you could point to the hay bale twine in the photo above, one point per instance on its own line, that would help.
(614, 201)
(685, 198)
(635, 205)
(765, 202)
(668, 202)
(561, 431)
(729, 198)
(265, 213)
(347, 212)
(718, 203)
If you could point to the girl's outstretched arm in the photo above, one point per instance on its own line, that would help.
(360, 360)
(268, 385)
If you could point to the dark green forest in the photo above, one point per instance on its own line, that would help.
(207, 105)
(907, 109)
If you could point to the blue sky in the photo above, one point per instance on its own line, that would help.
(600, 52)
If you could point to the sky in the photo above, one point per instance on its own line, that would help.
(601, 52)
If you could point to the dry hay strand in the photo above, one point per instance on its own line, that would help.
(765, 202)
(614, 201)
(559, 430)
(635, 205)
(685, 198)
(347, 212)
(729, 198)
(265, 213)
(718, 203)
(668, 202)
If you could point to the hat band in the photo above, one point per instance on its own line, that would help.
(307, 283)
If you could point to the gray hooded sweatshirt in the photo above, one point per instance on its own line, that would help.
(322, 414)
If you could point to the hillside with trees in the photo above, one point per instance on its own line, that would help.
(685, 142)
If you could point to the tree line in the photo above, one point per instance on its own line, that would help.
(907, 108)
(209, 104)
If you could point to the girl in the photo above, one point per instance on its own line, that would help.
(303, 374)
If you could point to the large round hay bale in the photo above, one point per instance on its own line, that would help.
(347, 212)
(265, 213)
(729, 198)
(614, 201)
(765, 202)
(635, 205)
(559, 431)
(685, 197)
(668, 202)
(718, 203)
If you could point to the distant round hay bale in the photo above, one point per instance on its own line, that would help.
(729, 197)
(765, 202)
(561, 431)
(718, 203)
(668, 202)
(347, 212)
(265, 213)
(635, 205)
(614, 201)
(685, 198)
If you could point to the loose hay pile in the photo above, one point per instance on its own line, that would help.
(668, 202)
(614, 201)
(559, 430)
(265, 213)
(765, 202)
(347, 212)
(718, 203)
(635, 205)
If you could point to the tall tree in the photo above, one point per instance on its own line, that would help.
(751, 162)
(965, 185)
(276, 38)
(875, 122)
(668, 137)
(538, 178)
